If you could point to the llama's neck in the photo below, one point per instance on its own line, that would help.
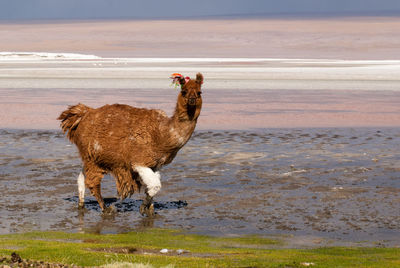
(183, 123)
(185, 113)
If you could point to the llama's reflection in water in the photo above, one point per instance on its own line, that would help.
(107, 220)
(125, 205)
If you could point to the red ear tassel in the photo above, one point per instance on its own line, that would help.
(176, 77)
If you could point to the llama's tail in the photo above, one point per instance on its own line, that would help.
(71, 118)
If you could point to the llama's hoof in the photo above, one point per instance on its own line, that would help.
(142, 209)
(81, 205)
(150, 210)
(147, 210)
(109, 210)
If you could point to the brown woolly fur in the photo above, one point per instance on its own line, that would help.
(71, 118)
(115, 138)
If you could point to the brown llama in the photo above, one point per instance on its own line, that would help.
(130, 143)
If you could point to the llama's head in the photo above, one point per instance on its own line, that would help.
(190, 96)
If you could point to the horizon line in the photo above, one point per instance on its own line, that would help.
(276, 15)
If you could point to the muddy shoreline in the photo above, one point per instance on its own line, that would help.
(332, 184)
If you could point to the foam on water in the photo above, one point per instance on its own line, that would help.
(4, 56)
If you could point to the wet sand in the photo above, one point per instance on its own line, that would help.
(321, 186)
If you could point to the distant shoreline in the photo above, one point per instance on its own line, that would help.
(66, 70)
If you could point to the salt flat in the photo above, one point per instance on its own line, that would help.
(223, 73)
(239, 93)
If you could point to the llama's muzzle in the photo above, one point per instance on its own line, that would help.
(192, 101)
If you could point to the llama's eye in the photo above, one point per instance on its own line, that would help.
(183, 93)
(199, 93)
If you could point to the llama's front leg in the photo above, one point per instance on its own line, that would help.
(147, 206)
(152, 182)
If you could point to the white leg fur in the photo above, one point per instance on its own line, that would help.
(150, 179)
(81, 187)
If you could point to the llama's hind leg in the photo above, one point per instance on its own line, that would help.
(152, 182)
(81, 190)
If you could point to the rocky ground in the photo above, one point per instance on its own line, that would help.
(16, 261)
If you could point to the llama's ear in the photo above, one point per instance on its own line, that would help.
(199, 78)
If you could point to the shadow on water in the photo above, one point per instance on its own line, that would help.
(106, 223)
(127, 204)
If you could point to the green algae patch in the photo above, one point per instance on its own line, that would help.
(160, 248)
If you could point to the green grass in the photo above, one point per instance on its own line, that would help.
(205, 251)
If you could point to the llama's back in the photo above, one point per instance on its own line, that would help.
(116, 135)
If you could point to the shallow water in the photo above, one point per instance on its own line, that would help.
(331, 183)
